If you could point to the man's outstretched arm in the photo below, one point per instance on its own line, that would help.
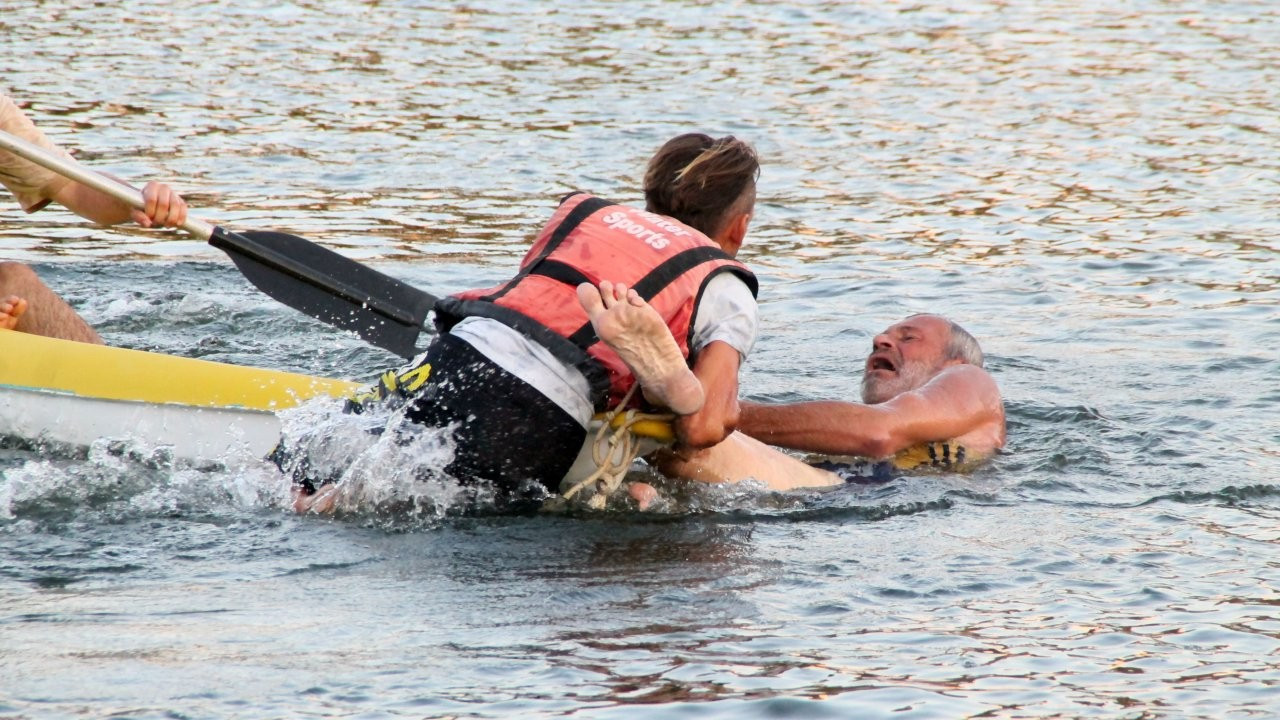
(957, 401)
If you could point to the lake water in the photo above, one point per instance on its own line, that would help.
(1089, 187)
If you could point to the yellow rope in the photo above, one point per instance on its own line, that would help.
(621, 427)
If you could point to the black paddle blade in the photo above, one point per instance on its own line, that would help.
(329, 287)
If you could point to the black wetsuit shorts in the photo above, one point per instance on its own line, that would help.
(507, 431)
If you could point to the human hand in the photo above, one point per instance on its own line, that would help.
(164, 207)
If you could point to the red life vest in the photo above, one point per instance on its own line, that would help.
(589, 240)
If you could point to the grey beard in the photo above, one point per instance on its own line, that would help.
(909, 377)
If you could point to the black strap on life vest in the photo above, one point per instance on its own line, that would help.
(658, 279)
(745, 275)
(563, 272)
(584, 210)
(450, 310)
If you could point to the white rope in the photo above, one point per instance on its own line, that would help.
(612, 466)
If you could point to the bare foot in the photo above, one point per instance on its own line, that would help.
(626, 323)
(11, 309)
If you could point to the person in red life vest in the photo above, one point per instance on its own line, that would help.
(26, 303)
(519, 370)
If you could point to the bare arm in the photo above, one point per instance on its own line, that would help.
(717, 370)
(959, 400)
(34, 185)
(164, 206)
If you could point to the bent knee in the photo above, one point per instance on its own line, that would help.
(18, 279)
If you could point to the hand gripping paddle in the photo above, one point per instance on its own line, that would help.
(299, 273)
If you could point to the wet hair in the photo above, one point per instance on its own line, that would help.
(962, 346)
(703, 182)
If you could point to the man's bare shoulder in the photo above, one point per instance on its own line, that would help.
(975, 390)
(960, 403)
(964, 378)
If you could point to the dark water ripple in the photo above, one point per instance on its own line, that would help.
(1089, 188)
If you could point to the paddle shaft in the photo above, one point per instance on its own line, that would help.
(369, 294)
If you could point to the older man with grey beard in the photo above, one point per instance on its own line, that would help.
(926, 402)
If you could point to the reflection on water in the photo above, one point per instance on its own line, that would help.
(1088, 187)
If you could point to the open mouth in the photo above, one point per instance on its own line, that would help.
(880, 362)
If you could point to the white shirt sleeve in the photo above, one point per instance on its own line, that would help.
(726, 312)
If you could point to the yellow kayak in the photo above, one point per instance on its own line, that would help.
(73, 393)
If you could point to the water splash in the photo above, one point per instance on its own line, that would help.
(115, 480)
(381, 466)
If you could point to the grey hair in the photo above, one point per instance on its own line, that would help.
(962, 346)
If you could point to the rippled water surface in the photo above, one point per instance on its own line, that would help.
(1090, 188)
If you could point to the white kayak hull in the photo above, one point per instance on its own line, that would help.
(194, 433)
(63, 393)
(75, 394)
